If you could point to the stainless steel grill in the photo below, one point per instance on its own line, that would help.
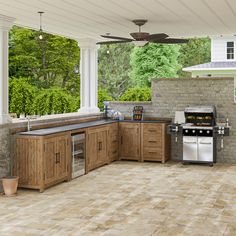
(199, 132)
(199, 143)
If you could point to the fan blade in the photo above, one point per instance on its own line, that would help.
(113, 42)
(170, 41)
(115, 37)
(152, 37)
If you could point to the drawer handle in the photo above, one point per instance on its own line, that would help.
(115, 141)
(114, 152)
(152, 152)
(152, 141)
(152, 130)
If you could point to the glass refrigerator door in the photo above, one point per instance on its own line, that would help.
(78, 155)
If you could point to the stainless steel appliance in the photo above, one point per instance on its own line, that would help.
(199, 131)
(78, 154)
(199, 143)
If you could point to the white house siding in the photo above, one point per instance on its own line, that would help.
(218, 48)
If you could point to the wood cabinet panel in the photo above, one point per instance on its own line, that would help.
(50, 174)
(41, 161)
(129, 134)
(61, 154)
(96, 147)
(113, 142)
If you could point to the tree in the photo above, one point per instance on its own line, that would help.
(136, 94)
(21, 96)
(152, 61)
(49, 62)
(114, 68)
(54, 101)
(196, 51)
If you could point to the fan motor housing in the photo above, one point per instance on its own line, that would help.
(140, 35)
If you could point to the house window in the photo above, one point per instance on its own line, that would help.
(230, 50)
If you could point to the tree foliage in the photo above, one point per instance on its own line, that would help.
(152, 61)
(103, 96)
(114, 68)
(137, 94)
(196, 51)
(21, 96)
(49, 62)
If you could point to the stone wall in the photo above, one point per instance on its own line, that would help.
(5, 143)
(170, 95)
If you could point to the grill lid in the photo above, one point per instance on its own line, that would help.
(200, 109)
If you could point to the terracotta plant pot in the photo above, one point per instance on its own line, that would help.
(10, 184)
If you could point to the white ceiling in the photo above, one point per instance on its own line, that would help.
(89, 18)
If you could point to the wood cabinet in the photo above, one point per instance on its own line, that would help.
(155, 142)
(42, 161)
(96, 147)
(129, 135)
(113, 142)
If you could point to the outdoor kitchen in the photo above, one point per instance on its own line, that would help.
(117, 118)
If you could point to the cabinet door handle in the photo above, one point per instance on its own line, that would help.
(114, 152)
(99, 146)
(58, 157)
(121, 139)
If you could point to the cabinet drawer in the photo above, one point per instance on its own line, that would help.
(152, 141)
(152, 154)
(152, 129)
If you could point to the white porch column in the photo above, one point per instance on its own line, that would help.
(5, 25)
(88, 76)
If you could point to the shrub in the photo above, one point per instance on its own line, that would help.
(21, 96)
(103, 96)
(136, 94)
(54, 101)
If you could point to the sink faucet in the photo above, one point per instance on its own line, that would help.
(29, 124)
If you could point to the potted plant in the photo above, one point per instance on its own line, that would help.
(10, 184)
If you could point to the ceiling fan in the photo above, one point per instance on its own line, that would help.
(141, 38)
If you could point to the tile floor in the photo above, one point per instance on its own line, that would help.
(129, 198)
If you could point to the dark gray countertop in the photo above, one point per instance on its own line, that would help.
(65, 128)
(59, 129)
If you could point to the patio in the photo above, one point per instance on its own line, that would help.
(129, 198)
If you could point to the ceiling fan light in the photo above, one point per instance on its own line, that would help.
(140, 43)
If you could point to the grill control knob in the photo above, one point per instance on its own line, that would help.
(186, 131)
(208, 131)
(200, 131)
(193, 131)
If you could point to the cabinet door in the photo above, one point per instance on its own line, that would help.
(102, 147)
(50, 174)
(62, 156)
(91, 150)
(129, 140)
